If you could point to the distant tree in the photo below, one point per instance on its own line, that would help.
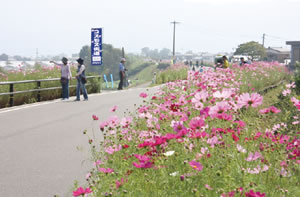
(3, 57)
(111, 60)
(164, 53)
(154, 54)
(146, 51)
(252, 49)
(85, 54)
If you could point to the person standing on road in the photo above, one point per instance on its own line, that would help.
(81, 80)
(66, 76)
(122, 73)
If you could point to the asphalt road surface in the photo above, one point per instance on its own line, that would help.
(42, 146)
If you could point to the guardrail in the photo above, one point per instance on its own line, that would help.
(11, 84)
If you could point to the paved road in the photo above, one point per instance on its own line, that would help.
(42, 148)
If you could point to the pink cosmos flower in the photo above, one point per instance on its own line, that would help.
(226, 93)
(258, 169)
(196, 123)
(106, 170)
(253, 157)
(143, 95)
(125, 122)
(208, 187)
(103, 125)
(142, 158)
(212, 141)
(80, 191)
(292, 85)
(253, 100)
(143, 165)
(200, 96)
(177, 126)
(286, 92)
(119, 183)
(229, 194)
(88, 175)
(113, 121)
(114, 108)
(296, 103)
(219, 108)
(197, 166)
(271, 109)
(95, 117)
(98, 162)
(111, 149)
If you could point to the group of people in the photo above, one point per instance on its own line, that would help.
(225, 64)
(66, 77)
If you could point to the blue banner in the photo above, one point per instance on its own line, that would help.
(96, 46)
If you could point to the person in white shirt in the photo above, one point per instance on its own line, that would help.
(66, 76)
(81, 80)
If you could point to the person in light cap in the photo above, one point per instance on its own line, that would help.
(122, 73)
(81, 80)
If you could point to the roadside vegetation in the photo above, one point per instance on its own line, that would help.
(39, 73)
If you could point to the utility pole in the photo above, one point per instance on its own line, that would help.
(174, 23)
(123, 52)
(37, 55)
(263, 42)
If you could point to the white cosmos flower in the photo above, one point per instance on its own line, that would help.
(174, 174)
(169, 153)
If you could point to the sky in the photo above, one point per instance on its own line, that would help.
(63, 26)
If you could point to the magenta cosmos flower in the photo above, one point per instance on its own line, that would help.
(142, 164)
(114, 108)
(197, 166)
(251, 193)
(143, 95)
(253, 100)
(95, 117)
(271, 109)
(80, 191)
(197, 123)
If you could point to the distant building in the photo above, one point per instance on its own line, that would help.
(278, 54)
(295, 53)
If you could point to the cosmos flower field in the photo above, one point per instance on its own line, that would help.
(221, 132)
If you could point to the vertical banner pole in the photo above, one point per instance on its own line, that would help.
(105, 79)
(112, 81)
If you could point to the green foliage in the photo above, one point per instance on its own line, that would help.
(256, 81)
(171, 74)
(252, 49)
(111, 60)
(155, 53)
(297, 77)
(138, 69)
(163, 66)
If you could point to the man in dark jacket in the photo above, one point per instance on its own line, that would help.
(122, 73)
